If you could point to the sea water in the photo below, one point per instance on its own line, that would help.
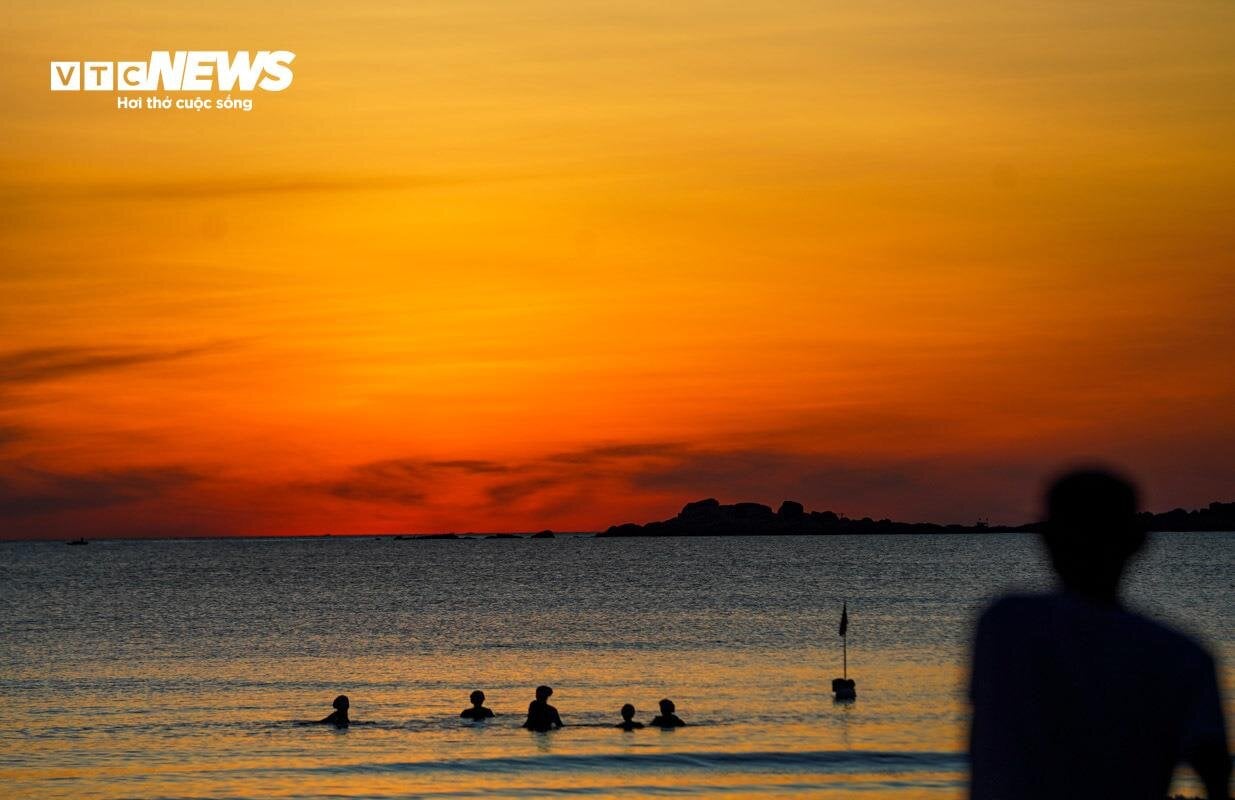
(178, 669)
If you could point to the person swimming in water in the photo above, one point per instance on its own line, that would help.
(478, 710)
(628, 719)
(666, 718)
(541, 716)
(339, 717)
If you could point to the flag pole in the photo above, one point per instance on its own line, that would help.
(844, 638)
(842, 687)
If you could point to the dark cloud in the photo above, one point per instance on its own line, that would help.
(675, 468)
(11, 433)
(48, 363)
(666, 467)
(511, 492)
(545, 479)
(390, 481)
(25, 492)
(912, 490)
(410, 480)
(610, 452)
(471, 466)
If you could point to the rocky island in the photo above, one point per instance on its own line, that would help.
(712, 518)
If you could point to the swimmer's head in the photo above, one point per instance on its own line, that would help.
(628, 712)
(544, 692)
(341, 702)
(477, 697)
(667, 706)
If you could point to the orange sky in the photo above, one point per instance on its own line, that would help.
(506, 266)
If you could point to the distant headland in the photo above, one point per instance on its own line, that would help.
(712, 518)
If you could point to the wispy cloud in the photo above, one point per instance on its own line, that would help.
(612, 452)
(205, 188)
(406, 481)
(10, 434)
(25, 492)
(400, 481)
(605, 474)
(472, 467)
(510, 492)
(667, 467)
(50, 363)
(411, 481)
(259, 186)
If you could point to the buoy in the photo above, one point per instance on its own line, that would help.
(844, 689)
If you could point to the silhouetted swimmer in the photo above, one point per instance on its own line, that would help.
(339, 717)
(478, 710)
(541, 716)
(1075, 696)
(628, 719)
(666, 718)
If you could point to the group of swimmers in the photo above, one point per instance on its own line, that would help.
(541, 716)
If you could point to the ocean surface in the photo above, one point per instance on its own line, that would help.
(178, 669)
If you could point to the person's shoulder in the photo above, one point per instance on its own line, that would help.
(1014, 619)
(1064, 611)
(1167, 638)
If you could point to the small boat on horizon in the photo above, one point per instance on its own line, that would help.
(73, 542)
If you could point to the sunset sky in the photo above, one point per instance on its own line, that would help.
(516, 265)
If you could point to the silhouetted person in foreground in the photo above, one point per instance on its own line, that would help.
(1075, 696)
(666, 718)
(628, 719)
(541, 716)
(338, 717)
(478, 710)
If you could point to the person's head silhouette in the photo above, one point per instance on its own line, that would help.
(628, 712)
(1092, 531)
(667, 707)
(544, 692)
(477, 697)
(341, 703)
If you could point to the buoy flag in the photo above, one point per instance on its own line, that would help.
(844, 619)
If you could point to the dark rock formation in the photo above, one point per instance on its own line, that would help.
(1215, 517)
(711, 518)
(790, 511)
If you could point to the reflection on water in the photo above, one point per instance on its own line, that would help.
(176, 669)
